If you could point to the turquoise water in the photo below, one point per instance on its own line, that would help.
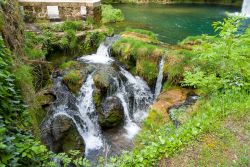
(172, 23)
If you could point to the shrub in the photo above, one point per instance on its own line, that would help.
(109, 14)
(223, 62)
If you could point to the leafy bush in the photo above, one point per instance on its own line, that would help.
(223, 62)
(109, 14)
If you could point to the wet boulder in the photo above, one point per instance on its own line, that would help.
(61, 135)
(111, 113)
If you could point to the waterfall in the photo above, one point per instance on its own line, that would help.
(102, 54)
(85, 119)
(245, 11)
(92, 136)
(134, 94)
(159, 79)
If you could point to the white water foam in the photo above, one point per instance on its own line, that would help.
(102, 54)
(245, 11)
(92, 136)
(100, 57)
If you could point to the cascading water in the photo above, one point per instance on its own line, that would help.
(158, 85)
(102, 54)
(245, 11)
(92, 136)
(133, 93)
(85, 120)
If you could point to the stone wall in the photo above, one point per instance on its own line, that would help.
(67, 11)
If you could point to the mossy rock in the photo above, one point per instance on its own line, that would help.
(97, 97)
(65, 136)
(111, 113)
(74, 80)
(101, 81)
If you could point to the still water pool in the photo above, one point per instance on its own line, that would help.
(172, 23)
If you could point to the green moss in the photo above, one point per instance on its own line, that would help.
(109, 14)
(73, 80)
(139, 57)
(113, 119)
(68, 65)
(97, 98)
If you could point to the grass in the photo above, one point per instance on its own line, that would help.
(143, 34)
(68, 65)
(165, 140)
(225, 145)
(140, 58)
(67, 25)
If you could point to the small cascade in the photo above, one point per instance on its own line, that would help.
(102, 54)
(92, 135)
(85, 118)
(158, 85)
(141, 93)
(245, 11)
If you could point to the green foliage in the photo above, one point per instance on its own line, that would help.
(68, 41)
(222, 62)
(68, 65)
(17, 145)
(33, 46)
(109, 14)
(61, 27)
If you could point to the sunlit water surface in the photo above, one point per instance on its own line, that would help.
(172, 23)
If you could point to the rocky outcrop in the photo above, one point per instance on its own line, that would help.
(168, 99)
(111, 113)
(61, 135)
